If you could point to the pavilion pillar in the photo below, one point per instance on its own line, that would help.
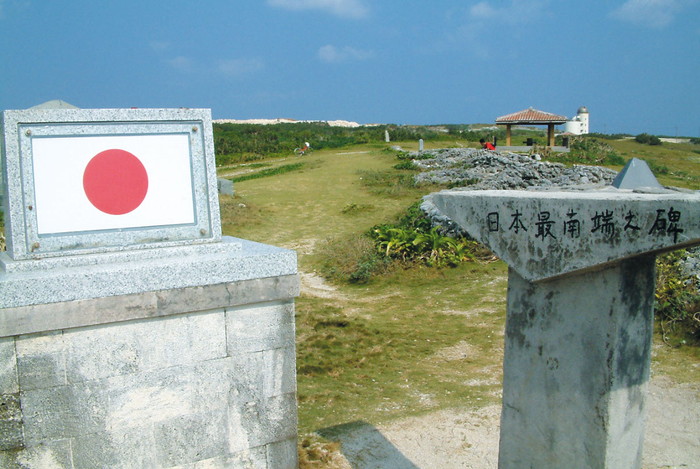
(507, 135)
(550, 135)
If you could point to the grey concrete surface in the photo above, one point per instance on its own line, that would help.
(580, 314)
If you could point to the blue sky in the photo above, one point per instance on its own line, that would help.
(635, 64)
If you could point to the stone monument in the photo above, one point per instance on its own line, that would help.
(132, 333)
(579, 313)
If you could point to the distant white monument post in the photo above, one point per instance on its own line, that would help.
(579, 316)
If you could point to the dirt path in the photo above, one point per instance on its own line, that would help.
(452, 439)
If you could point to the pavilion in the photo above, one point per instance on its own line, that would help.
(532, 116)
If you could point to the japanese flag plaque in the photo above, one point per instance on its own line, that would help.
(85, 181)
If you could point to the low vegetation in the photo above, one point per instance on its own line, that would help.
(269, 172)
(410, 321)
(677, 307)
(401, 322)
(238, 143)
(647, 139)
(409, 242)
(590, 151)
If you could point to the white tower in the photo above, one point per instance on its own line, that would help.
(579, 124)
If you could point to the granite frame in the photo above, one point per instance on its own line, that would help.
(19, 128)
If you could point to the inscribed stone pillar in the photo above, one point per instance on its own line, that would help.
(579, 316)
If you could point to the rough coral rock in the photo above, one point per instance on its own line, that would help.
(480, 169)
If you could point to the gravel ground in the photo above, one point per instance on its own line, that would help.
(453, 439)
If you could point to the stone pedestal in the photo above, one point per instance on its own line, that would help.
(580, 314)
(200, 370)
(132, 334)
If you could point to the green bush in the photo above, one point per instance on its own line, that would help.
(353, 260)
(407, 165)
(657, 168)
(591, 151)
(413, 239)
(608, 136)
(647, 139)
(677, 307)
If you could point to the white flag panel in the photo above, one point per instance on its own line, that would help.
(61, 202)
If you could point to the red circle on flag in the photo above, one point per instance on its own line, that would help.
(115, 182)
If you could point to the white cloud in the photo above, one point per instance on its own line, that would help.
(181, 63)
(225, 67)
(332, 54)
(157, 46)
(516, 12)
(652, 13)
(483, 10)
(484, 22)
(344, 8)
(238, 67)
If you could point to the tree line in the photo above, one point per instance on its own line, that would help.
(235, 143)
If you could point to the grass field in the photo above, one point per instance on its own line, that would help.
(673, 164)
(413, 340)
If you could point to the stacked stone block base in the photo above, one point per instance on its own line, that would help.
(211, 386)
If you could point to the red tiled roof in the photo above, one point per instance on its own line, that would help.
(531, 116)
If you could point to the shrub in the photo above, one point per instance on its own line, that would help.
(407, 165)
(353, 260)
(414, 240)
(677, 306)
(410, 241)
(647, 139)
(592, 151)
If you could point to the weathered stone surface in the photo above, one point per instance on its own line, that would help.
(268, 327)
(132, 447)
(132, 393)
(149, 304)
(52, 455)
(282, 455)
(87, 354)
(547, 234)
(636, 174)
(225, 186)
(8, 366)
(481, 169)
(164, 392)
(579, 317)
(10, 422)
(279, 373)
(50, 281)
(576, 368)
